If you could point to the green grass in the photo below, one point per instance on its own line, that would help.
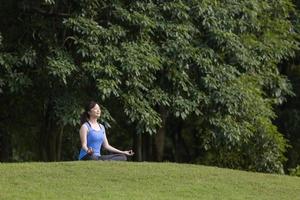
(127, 180)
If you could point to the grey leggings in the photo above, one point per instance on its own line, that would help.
(116, 157)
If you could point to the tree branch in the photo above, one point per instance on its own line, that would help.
(44, 12)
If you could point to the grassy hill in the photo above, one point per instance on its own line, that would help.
(127, 180)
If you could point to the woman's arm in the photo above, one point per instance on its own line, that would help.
(83, 137)
(107, 146)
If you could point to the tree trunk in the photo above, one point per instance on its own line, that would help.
(175, 150)
(149, 148)
(5, 147)
(59, 143)
(159, 144)
(52, 146)
(159, 138)
(48, 135)
(138, 147)
(43, 143)
(187, 157)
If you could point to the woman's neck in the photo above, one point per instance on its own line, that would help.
(93, 120)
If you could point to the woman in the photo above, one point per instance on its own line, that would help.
(93, 137)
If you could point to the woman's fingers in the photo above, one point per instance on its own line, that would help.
(130, 152)
(90, 151)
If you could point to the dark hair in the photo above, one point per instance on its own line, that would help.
(85, 115)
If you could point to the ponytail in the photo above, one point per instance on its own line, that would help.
(85, 115)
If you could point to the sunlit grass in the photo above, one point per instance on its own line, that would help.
(127, 180)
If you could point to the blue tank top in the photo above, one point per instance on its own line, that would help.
(94, 140)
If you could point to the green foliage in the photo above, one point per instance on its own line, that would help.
(67, 110)
(214, 60)
(295, 171)
(13, 78)
(60, 65)
(288, 113)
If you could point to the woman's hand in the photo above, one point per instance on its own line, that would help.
(90, 151)
(128, 153)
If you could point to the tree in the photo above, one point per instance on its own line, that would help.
(288, 113)
(209, 63)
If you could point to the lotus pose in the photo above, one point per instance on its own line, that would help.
(93, 137)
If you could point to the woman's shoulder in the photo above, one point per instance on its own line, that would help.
(101, 126)
(84, 126)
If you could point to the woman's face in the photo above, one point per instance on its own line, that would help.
(95, 111)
